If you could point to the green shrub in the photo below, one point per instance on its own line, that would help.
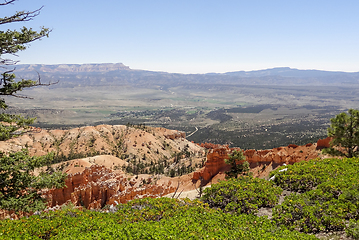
(331, 196)
(161, 218)
(307, 175)
(242, 195)
(298, 212)
(353, 229)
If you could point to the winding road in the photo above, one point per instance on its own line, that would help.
(193, 132)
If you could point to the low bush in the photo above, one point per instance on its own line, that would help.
(328, 201)
(242, 195)
(307, 175)
(353, 229)
(147, 219)
(331, 196)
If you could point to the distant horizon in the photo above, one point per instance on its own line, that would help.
(191, 37)
(214, 72)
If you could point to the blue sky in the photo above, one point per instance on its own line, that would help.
(196, 36)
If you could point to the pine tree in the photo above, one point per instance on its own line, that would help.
(19, 187)
(238, 164)
(344, 129)
(11, 42)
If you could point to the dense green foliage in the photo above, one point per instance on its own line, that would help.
(307, 175)
(236, 160)
(344, 129)
(353, 229)
(19, 187)
(242, 195)
(161, 218)
(330, 195)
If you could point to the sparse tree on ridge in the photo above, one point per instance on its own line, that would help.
(19, 188)
(344, 129)
(238, 164)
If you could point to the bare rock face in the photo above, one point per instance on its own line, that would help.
(117, 140)
(98, 186)
(97, 155)
(272, 157)
(92, 183)
(324, 143)
(214, 164)
(175, 135)
(211, 145)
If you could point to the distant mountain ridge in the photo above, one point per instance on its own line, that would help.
(119, 74)
(290, 72)
(75, 68)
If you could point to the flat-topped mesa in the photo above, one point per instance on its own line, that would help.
(72, 68)
(277, 156)
(98, 186)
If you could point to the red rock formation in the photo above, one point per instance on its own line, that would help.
(97, 186)
(292, 146)
(175, 135)
(274, 157)
(214, 164)
(324, 143)
(211, 145)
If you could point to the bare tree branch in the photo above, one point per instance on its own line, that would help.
(7, 62)
(10, 87)
(21, 16)
(45, 84)
(174, 195)
(6, 2)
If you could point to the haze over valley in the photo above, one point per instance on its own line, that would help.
(253, 109)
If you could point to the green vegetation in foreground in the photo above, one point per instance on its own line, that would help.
(329, 199)
(20, 189)
(325, 198)
(161, 218)
(242, 195)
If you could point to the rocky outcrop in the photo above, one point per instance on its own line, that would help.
(214, 164)
(175, 135)
(212, 146)
(98, 186)
(217, 154)
(324, 143)
(117, 140)
(288, 155)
